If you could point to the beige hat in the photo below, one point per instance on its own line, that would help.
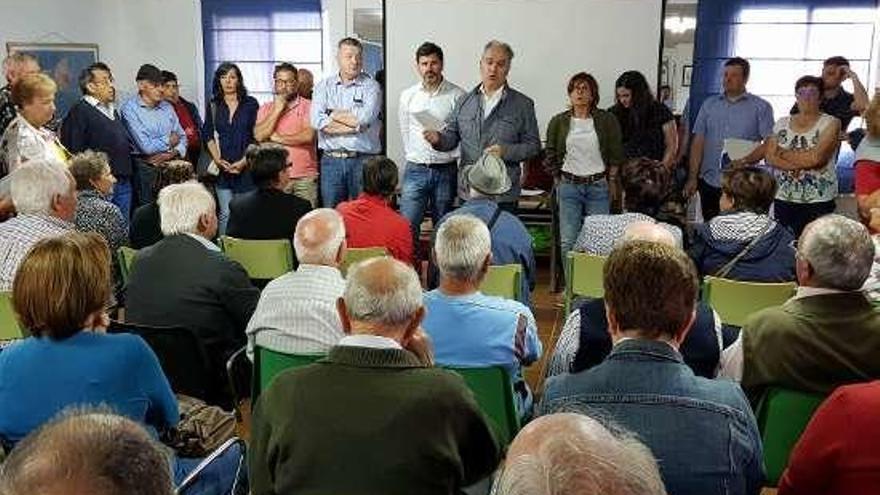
(488, 175)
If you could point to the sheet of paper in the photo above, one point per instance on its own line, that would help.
(428, 121)
(737, 149)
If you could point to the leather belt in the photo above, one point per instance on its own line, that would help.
(344, 153)
(582, 179)
(435, 165)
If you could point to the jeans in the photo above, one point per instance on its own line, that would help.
(341, 178)
(224, 197)
(122, 197)
(575, 202)
(423, 185)
(143, 178)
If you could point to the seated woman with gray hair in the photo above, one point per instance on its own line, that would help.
(743, 242)
(94, 211)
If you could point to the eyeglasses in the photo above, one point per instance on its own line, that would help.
(286, 82)
(807, 92)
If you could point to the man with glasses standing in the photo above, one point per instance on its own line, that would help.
(285, 121)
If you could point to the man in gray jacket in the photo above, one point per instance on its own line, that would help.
(492, 118)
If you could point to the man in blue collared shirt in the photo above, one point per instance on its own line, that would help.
(345, 112)
(702, 431)
(734, 114)
(154, 128)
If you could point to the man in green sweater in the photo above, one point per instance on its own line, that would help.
(373, 417)
(828, 334)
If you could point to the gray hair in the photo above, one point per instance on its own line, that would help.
(35, 184)
(318, 235)
(17, 59)
(182, 205)
(462, 244)
(573, 453)
(501, 46)
(648, 231)
(86, 167)
(88, 451)
(839, 251)
(383, 291)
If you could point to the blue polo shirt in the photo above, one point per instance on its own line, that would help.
(748, 117)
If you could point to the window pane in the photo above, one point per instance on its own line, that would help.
(242, 45)
(296, 20)
(773, 15)
(777, 77)
(844, 14)
(297, 46)
(771, 40)
(220, 21)
(849, 40)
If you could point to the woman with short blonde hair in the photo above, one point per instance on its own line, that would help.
(27, 137)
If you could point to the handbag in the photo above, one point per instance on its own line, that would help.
(202, 428)
(213, 169)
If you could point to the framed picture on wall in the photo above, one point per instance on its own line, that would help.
(664, 72)
(686, 72)
(63, 62)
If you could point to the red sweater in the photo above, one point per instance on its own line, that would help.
(839, 453)
(370, 222)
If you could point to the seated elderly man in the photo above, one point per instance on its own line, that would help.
(573, 453)
(825, 336)
(44, 196)
(469, 328)
(584, 341)
(184, 280)
(701, 431)
(374, 416)
(87, 452)
(297, 311)
(511, 243)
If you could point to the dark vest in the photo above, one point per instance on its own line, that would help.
(700, 348)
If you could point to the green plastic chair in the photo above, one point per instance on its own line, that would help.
(268, 363)
(125, 258)
(503, 281)
(261, 259)
(356, 255)
(494, 393)
(735, 300)
(584, 277)
(782, 417)
(9, 327)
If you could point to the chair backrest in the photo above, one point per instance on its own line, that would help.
(503, 281)
(356, 255)
(261, 259)
(782, 417)
(735, 300)
(584, 277)
(125, 258)
(181, 355)
(268, 363)
(9, 327)
(494, 393)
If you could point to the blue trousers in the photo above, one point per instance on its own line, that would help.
(341, 179)
(423, 186)
(575, 202)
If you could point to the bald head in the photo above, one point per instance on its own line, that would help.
(572, 453)
(382, 296)
(318, 238)
(650, 232)
(94, 453)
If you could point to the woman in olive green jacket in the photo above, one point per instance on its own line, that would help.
(584, 150)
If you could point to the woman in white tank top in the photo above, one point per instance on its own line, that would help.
(803, 153)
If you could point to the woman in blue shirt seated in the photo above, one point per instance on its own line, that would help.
(743, 242)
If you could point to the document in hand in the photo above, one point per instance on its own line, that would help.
(428, 121)
(736, 149)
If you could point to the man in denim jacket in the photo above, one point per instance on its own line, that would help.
(701, 431)
(492, 118)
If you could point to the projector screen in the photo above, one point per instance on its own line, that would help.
(551, 40)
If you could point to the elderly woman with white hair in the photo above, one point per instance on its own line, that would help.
(94, 211)
(185, 281)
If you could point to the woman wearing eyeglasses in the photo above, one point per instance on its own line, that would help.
(803, 151)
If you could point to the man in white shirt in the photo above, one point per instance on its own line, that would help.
(297, 311)
(431, 175)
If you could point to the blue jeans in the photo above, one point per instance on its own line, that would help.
(122, 197)
(423, 185)
(575, 202)
(224, 197)
(341, 179)
(217, 477)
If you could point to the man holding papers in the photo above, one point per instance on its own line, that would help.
(431, 175)
(729, 132)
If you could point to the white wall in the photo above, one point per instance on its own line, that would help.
(167, 33)
(552, 40)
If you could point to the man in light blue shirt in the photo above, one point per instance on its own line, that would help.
(733, 114)
(345, 112)
(154, 128)
(471, 329)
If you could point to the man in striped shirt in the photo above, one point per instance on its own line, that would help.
(297, 311)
